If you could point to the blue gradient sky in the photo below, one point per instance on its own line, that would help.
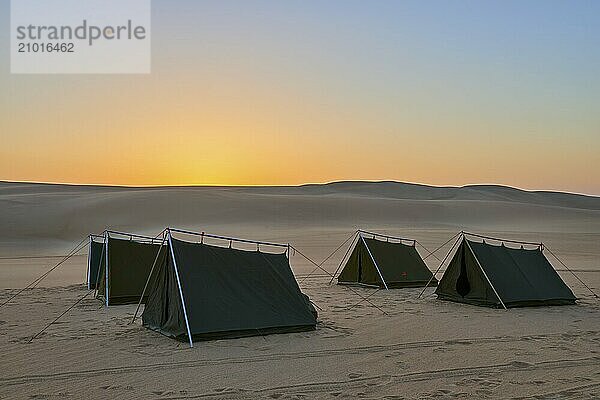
(266, 92)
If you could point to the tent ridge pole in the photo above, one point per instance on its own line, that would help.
(227, 238)
(500, 240)
(484, 274)
(131, 235)
(374, 262)
(187, 323)
(385, 236)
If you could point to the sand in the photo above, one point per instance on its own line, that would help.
(420, 348)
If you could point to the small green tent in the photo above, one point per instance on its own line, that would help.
(203, 291)
(128, 262)
(385, 264)
(499, 276)
(95, 259)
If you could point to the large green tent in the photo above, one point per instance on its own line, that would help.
(95, 259)
(500, 276)
(385, 264)
(204, 291)
(128, 262)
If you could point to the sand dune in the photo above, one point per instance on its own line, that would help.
(47, 218)
(421, 348)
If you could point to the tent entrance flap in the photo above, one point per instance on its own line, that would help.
(463, 287)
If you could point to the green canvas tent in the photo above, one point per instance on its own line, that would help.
(128, 262)
(95, 259)
(385, 263)
(204, 291)
(499, 276)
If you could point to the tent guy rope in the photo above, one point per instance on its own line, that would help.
(328, 273)
(328, 257)
(35, 282)
(573, 273)
(60, 316)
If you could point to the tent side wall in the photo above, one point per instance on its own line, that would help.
(234, 293)
(522, 277)
(129, 264)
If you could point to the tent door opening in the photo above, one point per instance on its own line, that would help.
(360, 256)
(463, 287)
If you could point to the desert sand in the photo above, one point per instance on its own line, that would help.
(416, 348)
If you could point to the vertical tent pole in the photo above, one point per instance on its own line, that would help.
(374, 262)
(106, 236)
(187, 323)
(89, 261)
(484, 274)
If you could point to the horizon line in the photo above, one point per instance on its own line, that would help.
(122, 186)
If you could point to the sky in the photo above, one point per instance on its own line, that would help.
(290, 92)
